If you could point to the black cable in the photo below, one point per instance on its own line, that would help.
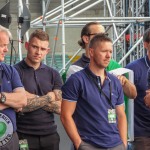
(11, 53)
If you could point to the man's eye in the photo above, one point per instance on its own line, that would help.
(43, 49)
(35, 47)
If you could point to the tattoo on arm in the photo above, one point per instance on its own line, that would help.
(54, 107)
(58, 95)
(36, 103)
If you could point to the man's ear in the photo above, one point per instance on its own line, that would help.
(146, 45)
(86, 39)
(48, 50)
(26, 45)
(91, 52)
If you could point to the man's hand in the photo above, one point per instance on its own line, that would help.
(122, 79)
(18, 110)
(30, 95)
(35, 102)
(54, 107)
(3, 106)
(51, 96)
(129, 88)
(147, 98)
(58, 95)
(55, 104)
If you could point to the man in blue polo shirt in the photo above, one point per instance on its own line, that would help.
(12, 97)
(93, 103)
(141, 103)
(87, 33)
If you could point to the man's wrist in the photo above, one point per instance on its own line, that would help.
(48, 98)
(2, 97)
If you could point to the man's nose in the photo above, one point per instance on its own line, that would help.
(38, 50)
(109, 54)
(6, 48)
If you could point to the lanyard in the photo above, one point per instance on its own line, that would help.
(109, 99)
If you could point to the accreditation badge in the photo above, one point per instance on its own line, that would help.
(6, 129)
(23, 144)
(111, 115)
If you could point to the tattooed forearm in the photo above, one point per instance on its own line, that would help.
(36, 103)
(58, 95)
(54, 107)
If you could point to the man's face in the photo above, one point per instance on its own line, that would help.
(4, 41)
(95, 29)
(147, 46)
(36, 50)
(101, 55)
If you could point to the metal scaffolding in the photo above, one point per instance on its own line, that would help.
(124, 20)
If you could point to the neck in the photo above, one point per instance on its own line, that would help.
(32, 64)
(87, 52)
(148, 54)
(97, 71)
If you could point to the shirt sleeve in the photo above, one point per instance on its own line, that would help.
(57, 81)
(70, 90)
(16, 81)
(120, 94)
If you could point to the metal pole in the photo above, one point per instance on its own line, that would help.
(27, 33)
(20, 10)
(89, 6)
(55, 42)
(45, 10)
(131, 50)
(122, 33)
(54, 11)
(63, 36)
(108, 5)
(78, 51)
(43, 24)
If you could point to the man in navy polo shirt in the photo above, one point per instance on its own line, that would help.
(141, 104)
(12, 96)
(43, 88)
(93, 103)
(87, 33)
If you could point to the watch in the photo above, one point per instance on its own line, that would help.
(3, 98)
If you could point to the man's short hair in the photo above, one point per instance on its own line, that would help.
(5, 30)
(101, 37)
(40, 34)
(146, 36)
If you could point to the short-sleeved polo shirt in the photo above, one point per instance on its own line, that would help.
(10, 81)
(91, 113)
(39, 82)
(141, 112)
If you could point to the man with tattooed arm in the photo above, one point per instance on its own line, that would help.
(35, 122)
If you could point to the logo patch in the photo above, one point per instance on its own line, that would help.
(6, 129)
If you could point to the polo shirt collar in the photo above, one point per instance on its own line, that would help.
(87, 70)
(85, 58)
(25, 65)
(147, 60)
